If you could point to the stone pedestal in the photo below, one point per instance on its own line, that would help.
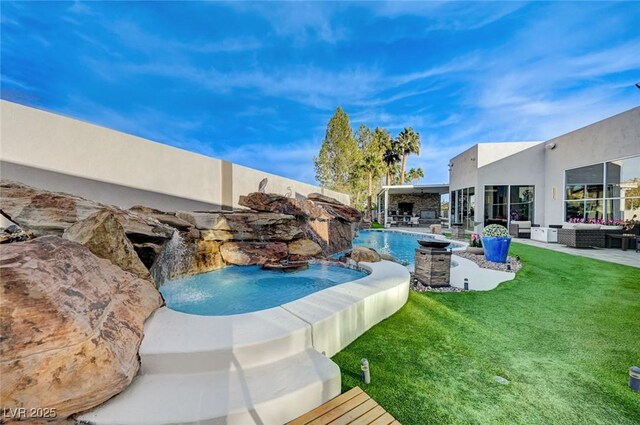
(457, 232)
(433, 266)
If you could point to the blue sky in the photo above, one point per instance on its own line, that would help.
(256, 83)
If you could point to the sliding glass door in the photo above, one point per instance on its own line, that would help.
(504, 203)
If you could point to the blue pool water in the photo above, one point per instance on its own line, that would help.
(235, 290)
(400, 245)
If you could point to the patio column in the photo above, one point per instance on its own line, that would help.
(386, 206)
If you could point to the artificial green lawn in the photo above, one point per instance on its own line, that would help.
(564, 332)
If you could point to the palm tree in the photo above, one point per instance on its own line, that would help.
(391, 153)
(409, 142)
(415, 174)
(371, 162)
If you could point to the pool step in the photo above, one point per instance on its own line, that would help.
(175, 342)
(273, 393)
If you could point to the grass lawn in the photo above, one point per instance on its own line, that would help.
(564, 332)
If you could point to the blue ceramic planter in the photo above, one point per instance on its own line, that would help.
(496, 248)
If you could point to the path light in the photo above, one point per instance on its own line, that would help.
(364, 367)
(466, 284)
(634, 378)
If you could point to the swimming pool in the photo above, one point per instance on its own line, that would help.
(400, 245)
(243, 289)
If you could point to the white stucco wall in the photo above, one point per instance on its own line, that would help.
(524, 168)
(63, 154)
(612, 138)
(463, 171)
(491, 152)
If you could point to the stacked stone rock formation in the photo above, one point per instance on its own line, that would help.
(312, 227)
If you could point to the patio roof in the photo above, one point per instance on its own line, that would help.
(416, 189)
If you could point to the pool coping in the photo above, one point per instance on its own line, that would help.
(171, 331)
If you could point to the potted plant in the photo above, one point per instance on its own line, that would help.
(475, 247)
(496, 241)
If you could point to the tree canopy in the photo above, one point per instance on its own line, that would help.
(338, 153)
(354, 163)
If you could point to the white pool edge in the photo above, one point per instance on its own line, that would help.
(186, 358)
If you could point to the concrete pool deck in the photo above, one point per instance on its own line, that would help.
(264, 367)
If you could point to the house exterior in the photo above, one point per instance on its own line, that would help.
(592, 173)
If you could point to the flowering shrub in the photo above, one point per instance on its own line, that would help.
(476, 242)
(495, 230)
(604, 222)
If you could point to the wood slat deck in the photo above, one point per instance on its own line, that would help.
(353, 407)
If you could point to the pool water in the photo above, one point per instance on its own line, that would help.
(400, 245)
(235, 289)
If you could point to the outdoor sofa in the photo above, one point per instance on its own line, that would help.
(583, 235)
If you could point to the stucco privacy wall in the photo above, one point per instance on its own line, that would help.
(610, 139)
(63, 154)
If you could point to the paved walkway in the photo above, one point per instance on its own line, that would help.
(612, 255)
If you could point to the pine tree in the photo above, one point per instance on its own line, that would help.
(338, 154)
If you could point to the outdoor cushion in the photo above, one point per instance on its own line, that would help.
(610, 227)
(586, 226)
(568, 225)
(522, 225)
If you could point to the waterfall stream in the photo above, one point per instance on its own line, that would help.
(172, 259)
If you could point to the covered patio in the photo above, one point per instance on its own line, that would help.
(410, 204)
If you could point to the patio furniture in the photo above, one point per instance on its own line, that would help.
(623, 238)
(582, 238)
(544, 234)
(521, 229)
(414, 221)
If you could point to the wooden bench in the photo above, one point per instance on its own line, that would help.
(353, 407)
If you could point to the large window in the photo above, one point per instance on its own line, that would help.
(504, 203)
(496, 205)
(522, 207)
(586, 197)
(463, 203)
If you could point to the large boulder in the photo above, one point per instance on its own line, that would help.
(332, 235)
(304, 248)
(243, 226)
(71, 324)
(170, 219)
(271, 202)
(105, 237)
(368, 255)
(50, 213)
(205, 257)
(250, 253)
(336, 208)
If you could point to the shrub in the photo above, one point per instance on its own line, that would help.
(376, 225)
(476, 242)
(495, 230)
